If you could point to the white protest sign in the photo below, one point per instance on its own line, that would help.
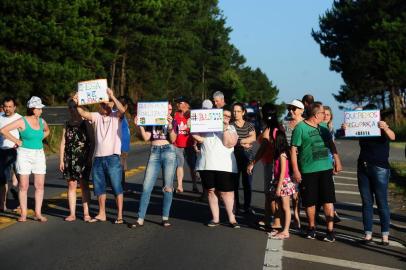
(152, 113)
(94, 91)
(362, 123)
(206, 120)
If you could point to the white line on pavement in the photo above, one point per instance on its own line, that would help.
(344, 184)
(345, 177)
(350, 172)
(333, 261)
(347, 192)
(273, 254)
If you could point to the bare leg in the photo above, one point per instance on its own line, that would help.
(285, 205)
(214, 204)
(295, 203)
(39, 181)
(329, 213)
(276, 214)
(72, 185)
(84, 186)
(119, 202)
(179, 176)
(311, 213)
(3, 197)
(228, 199)
(22, 194)
(102, 207)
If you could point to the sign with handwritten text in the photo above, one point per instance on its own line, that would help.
(362, 123)
(90, 92)
(206, 120)
(152, 113)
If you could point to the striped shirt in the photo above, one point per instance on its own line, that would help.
(243, 132)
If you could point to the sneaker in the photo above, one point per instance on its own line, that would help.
(311, 233)
(213, 224)
(330, 237)
(235, 225)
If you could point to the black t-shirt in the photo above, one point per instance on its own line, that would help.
(158, 133)
(375, 151)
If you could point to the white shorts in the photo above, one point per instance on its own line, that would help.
(30, 161)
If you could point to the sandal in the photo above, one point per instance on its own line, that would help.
(273, 233)
(166, 223)
(119, 221)
(40, 219)
(87, 218)
(135, 225)
(70, 219)
(280, 236)
(22, 219)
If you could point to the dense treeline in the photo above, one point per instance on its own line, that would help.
(148, 49)
(365, 41)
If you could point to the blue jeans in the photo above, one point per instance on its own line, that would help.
(164, 157)
(373, 181)
(104, 169)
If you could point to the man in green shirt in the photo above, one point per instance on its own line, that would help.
(313, 168)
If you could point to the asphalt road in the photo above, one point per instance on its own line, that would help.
(188, 244)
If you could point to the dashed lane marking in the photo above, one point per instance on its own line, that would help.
(346, 177)
(333, 261)
(273, 254)
(350, 172)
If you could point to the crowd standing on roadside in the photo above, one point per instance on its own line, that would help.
(298, 154)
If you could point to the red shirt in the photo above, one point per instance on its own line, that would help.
(184, 139)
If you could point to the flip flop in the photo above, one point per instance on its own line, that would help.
(273, 233)
(21, 219)
(135, 225)
(41, 219)
(119, 221)
(166, 223)
(87, 218)
(94, 220)
(280, 236)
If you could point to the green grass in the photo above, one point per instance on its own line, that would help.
(400, 145)
(398, 179)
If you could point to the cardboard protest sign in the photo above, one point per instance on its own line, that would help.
(362, 123)
(152, 113)
(94, 91)
(206, 120)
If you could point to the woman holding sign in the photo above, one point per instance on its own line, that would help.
(216, 166)
(373, 178)
(163, 157)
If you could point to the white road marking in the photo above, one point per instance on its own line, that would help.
(350, 172)
(273, 254)
(345, 177)
(344, 184)
(333, 261)
(347, 192)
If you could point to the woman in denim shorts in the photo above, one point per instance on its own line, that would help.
(163, 157)
(30, 154)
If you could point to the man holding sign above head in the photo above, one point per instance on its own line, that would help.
(106, 164)
(162, 156)
(184, 143)
(373, 168)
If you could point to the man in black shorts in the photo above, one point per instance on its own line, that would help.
(313, 167)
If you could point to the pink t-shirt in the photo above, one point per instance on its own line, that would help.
(108, 134)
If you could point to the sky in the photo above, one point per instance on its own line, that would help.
(275, 36)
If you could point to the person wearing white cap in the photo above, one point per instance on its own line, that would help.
(295, 111)
(30, 154)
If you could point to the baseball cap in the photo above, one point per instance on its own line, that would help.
(207, 104)
(35, 102)
(182, 99)
(296, 103)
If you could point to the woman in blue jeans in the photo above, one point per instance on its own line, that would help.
(373, 177)
(162, 156)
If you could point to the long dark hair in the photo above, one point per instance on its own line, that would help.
(281, 144)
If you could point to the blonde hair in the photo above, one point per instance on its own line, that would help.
(330, 122)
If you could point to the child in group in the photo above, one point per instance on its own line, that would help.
(283, 187)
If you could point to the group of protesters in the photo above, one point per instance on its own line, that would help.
(298, 154)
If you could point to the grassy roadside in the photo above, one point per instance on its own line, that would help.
(400, 145)
(398, 179)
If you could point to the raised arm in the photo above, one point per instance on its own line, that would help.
(5, 131)
(146, 135)
(386, 130)
(119, 106)
(230, 137)
(85, 114)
